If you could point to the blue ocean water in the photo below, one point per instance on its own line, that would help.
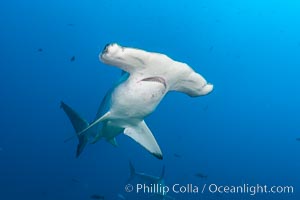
(244, 132)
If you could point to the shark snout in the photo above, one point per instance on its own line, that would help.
(208, 88)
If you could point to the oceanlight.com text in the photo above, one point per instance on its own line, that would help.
(248, 189)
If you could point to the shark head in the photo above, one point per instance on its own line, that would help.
(178, 76)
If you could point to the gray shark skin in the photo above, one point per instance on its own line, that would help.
(147, 78)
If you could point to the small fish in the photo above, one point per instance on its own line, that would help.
(205, 108)
(211, 48)
(44, 193)
(75, 180)
(71, 24)
(298, 139)
(177, 155)
(237, 56)
(200, 175)
(96, 196)
(40, 50)
(72, 59)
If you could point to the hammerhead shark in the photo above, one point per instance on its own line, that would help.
(148, 179)
(146, 78)
(145, 178)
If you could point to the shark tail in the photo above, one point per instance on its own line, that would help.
(79, 124)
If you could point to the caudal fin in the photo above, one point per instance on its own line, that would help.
(79, 124)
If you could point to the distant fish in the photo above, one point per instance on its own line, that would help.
(200, 175)
(177, 155)
(75, 180)
(72, 59)
(205, 108)
(70, 24)
(211, 48)
(298, 139)
(44, 193)
(96, 196)
(1, 149)
(40, 50)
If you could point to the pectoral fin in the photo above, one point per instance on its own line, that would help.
(142, 135)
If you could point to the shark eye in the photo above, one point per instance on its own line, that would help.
(105, 49)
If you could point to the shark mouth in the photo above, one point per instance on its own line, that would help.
(156, 79)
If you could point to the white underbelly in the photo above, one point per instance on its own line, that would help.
(136, 99)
